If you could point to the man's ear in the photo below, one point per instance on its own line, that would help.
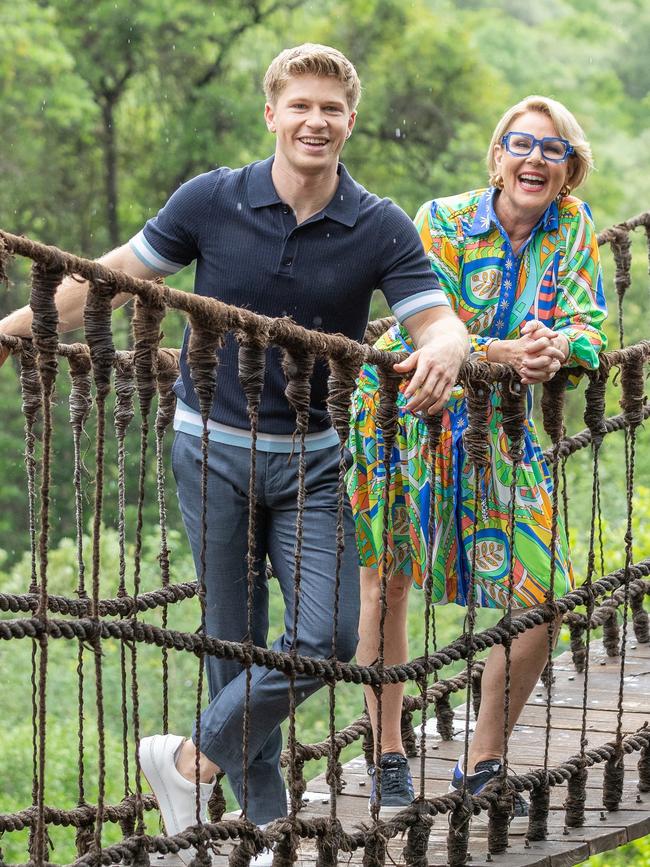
(269, 117)
(351, 122)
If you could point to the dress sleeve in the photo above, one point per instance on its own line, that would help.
(439, 236)
(580, 307)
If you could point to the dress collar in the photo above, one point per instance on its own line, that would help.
(486, 217)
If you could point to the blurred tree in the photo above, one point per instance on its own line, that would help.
(105, 108)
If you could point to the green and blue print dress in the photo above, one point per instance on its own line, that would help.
(555, 278)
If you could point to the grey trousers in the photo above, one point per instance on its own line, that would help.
(222, 722)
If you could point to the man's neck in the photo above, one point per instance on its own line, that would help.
(305, 194)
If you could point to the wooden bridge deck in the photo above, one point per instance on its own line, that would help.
(603, 831)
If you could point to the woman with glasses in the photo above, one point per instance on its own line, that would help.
(519, 262)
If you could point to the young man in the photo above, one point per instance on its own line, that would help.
(296, 235)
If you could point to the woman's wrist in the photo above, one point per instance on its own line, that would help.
(498, 351)
(564, 345)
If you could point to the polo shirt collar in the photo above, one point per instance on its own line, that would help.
(343, 207)
(486, 217)
(261, 191)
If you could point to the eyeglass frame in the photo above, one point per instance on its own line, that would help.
(538, 142)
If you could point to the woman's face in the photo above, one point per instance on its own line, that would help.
(530, 183)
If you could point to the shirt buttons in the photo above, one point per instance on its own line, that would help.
(285, 209)
(287, 261)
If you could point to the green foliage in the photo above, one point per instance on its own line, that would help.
(105, 109)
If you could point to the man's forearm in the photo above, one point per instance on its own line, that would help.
(70, 302)
(71, 295)
(449, 331)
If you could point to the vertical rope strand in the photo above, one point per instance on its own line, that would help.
(341, 382)
(123, 414)
(80, 406)
(298, 367)
(513, 404)
(44, 329)
(553, 418)
(387, 418)
(476, 442)
(147, 318)
(594, 417)
(167, 372)
(434, 430)
(632, 401)
(30, 385)
(252, 365)
(205, 339)
(97, 321)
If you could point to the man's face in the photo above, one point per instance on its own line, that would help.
(311, 120)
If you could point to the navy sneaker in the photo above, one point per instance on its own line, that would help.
(396, 785)
(484, 773)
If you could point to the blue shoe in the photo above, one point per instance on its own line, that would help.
(397, 791)
(485, 772)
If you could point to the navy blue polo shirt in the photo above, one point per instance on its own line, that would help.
(250, 252)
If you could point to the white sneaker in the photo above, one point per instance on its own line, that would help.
(176, 795)
(263, 858)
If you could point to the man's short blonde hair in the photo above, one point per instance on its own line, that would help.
(580, 162)
(311, 59)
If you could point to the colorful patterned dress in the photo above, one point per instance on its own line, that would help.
(555, 278)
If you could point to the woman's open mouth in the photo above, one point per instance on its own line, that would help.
(532, 183)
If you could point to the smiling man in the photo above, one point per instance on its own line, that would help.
(293, 234)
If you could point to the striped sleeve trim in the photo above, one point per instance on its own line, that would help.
(149, 257)
(421, 301)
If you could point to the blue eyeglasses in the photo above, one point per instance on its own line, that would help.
(522, 144)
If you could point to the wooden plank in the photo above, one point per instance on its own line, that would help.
(602, 692)
(565, 846)
(571, 718)
(357, 787)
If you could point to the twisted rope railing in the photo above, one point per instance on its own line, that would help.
(150, 370)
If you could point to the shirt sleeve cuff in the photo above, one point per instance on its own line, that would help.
(479, 347)
(419, 302)
(582, 353)
(149, 257)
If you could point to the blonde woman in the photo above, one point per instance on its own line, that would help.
(519, 264)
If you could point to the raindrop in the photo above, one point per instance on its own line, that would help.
(327, 236)
(341, 196)
(318, 321)
(394, 240)
(398, 132)
(239, 206)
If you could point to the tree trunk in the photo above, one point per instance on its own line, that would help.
(110, 172)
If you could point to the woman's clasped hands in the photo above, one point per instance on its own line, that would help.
(536, 355)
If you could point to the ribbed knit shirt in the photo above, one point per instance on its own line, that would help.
(250, 252)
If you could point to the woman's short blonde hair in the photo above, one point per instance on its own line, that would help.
(580, 162)
(311, 59)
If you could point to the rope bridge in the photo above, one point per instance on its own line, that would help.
(613, 602)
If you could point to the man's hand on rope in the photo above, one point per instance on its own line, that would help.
(4, 354)
(442, 347)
